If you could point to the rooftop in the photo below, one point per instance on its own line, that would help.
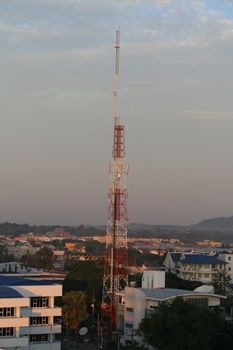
(7, 292)
(175, 256)
(166, 293)
(202, 259)
(7, 281)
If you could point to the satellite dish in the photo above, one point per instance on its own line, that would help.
(83, 331)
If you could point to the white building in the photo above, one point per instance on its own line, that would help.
(202, 268)
(194, 267)
(19, 250)
(228, 258)
(28, 316)
(137, 303)
(12, 266)
(172, 260)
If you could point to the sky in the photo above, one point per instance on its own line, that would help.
(56, 69)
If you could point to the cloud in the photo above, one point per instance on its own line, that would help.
(62, 29)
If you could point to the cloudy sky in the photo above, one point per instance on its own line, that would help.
(56, 69)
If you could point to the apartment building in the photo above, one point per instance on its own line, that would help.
(195, 267)
(29, 319)
(202, 268)
(227, 257)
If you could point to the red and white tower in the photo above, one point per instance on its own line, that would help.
(116, 259)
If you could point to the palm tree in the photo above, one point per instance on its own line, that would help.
(74, 310)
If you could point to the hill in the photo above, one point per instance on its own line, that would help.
(221, 224)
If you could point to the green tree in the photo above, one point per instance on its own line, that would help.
(221, 282)
(88, 277)
(74, 310)
(181, 326)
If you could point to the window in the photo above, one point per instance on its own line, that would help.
(229, 258)
(229, 268)
(7, 332)
(206, 275)
(39, 338)
(129, 325)
(7, 312)
(38, 320)
(129, 309)
(201, 302)
(40, 302)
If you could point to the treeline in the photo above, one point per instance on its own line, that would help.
(8, 228)
(146, 231)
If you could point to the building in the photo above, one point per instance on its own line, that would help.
(29, 318)
(59, 233)
(9, 267)
(78, 248)
(59, 260)
(137, 303)
(228, 259)
(194, 267)
(171, 261)
(202, 268)
(19, 250)
(210, 243)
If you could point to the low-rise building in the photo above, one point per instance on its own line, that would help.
(171, 261)
(137, 303)
(29, 318)
(59, 233)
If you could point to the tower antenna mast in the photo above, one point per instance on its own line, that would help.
(116, 253)
(117, 79)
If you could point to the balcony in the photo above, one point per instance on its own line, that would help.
(14, 322)
(40, 311)
(46, 346)
(17, 342)
(40, 329)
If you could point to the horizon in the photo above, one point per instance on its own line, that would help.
(104, 225)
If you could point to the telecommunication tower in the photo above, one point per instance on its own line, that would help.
(116, 256)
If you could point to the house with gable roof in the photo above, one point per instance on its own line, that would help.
(194, 267)
(171, 261)
(203, 268)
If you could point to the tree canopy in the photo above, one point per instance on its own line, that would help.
(86, 276)
(221, 282)
(74, 309)
(182, 326)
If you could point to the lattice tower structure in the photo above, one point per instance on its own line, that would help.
(116, 255)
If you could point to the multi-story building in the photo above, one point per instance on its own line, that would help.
(201, 268)
(29, 319)
(137, 303)
(19, 250)
(228, 259)
(194, 267)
